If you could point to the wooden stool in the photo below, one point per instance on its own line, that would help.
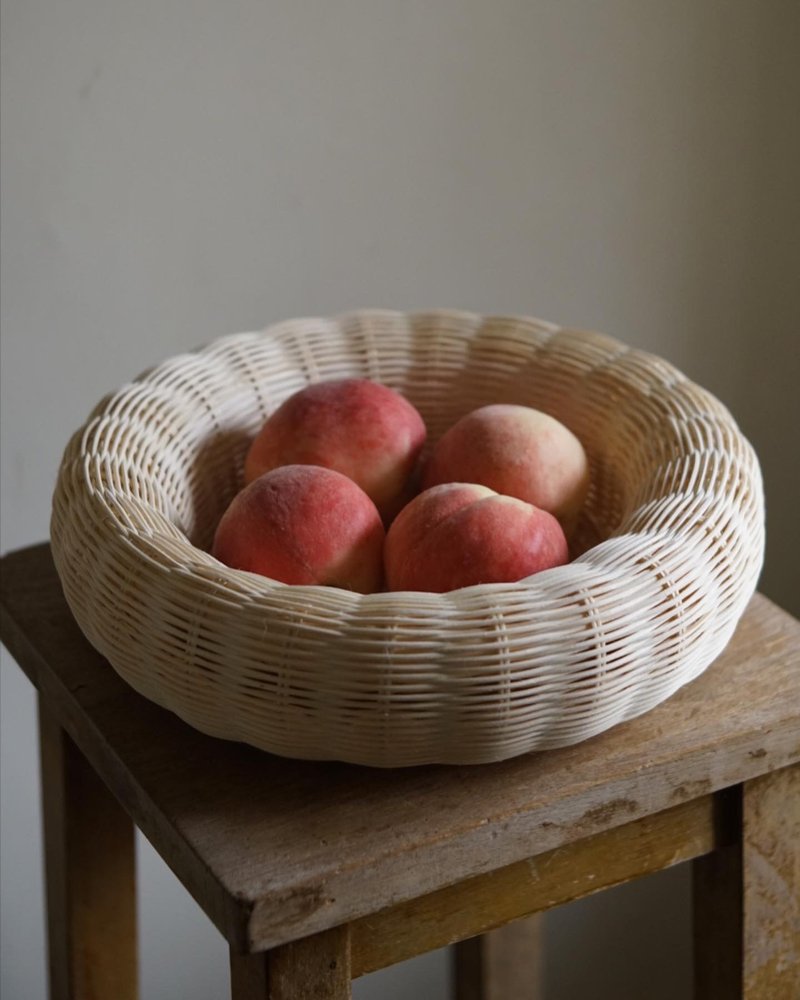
(320, 872)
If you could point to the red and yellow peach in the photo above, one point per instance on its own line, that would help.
(362, 429)
(517, 451)
(459, 534)
(303, 524)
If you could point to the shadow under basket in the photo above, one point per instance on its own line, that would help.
(667, 551)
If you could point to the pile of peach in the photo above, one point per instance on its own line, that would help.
(332, 494)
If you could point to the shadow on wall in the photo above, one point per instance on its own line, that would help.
(741, 338)
(768, 399)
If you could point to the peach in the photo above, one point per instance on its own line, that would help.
(360, 428)
(459, 534)
(304, 524)
(519, 452)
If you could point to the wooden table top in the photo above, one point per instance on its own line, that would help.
(275, 849)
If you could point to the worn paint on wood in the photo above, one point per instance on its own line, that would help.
(538, 883)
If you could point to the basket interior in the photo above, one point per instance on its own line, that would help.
(201, 416)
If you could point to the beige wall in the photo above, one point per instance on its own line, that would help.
(768, 397)
(176, 170)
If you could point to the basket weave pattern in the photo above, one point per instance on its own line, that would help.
(668, 550)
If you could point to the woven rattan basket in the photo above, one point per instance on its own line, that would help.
(668, 549)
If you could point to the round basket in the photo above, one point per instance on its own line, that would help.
(667, 552)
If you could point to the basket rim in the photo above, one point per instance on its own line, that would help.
(258, 585)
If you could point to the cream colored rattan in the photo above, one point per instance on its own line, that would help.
(669, 548)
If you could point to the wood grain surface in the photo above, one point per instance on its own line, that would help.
(566, 873)
(771, 869)
(317, 966)
(506, 962)
(559, 876)
(274, 850)
(90, 867)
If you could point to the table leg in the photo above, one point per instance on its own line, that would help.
(747, 899)
(502, 963)
(771, 853)
(717, 932)
(317, 966)
(90, 876)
